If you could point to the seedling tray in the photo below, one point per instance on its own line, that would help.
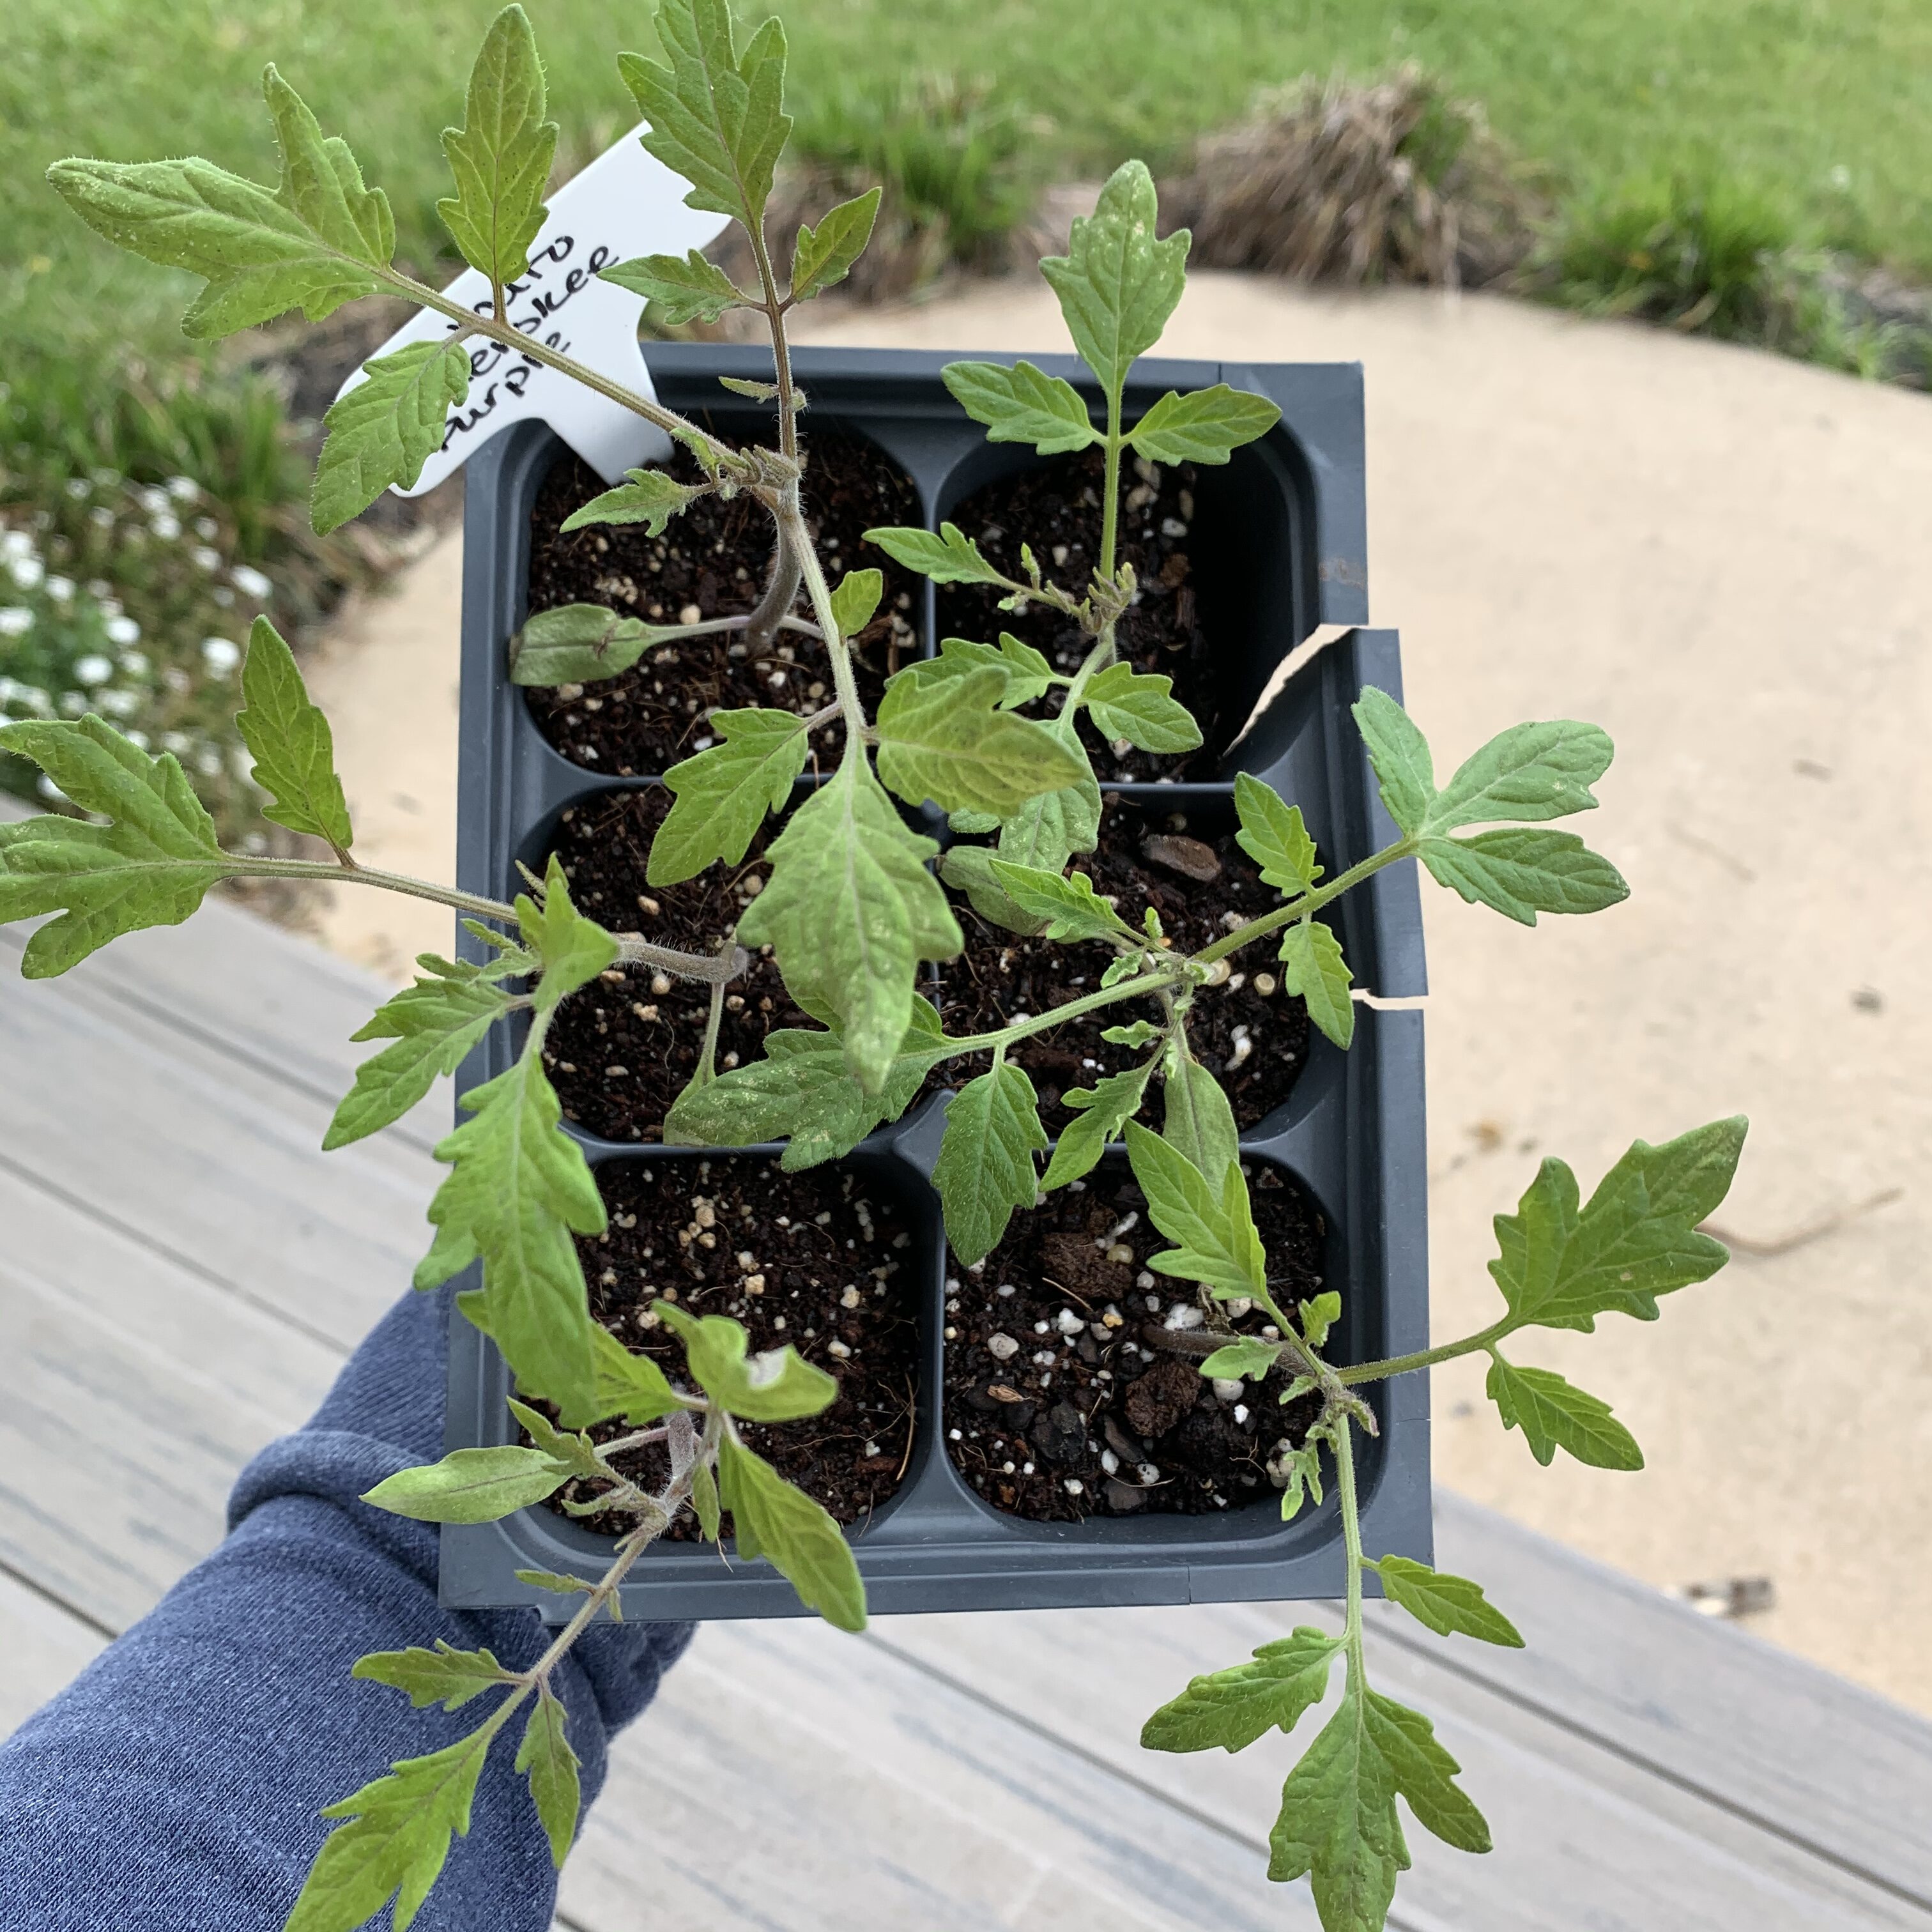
(1284, 550)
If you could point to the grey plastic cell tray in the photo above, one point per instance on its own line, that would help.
(1283, 549)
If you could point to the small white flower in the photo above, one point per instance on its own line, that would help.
(106, 479)
(15, 545)
(165, 527)
(92, 669)
(101, 516)
(184, 489)
(60, 589)
(221, 655)
(122, 631)
(251, 582)
(209, 560)
(138, 738)
(16, 620)
(102, 592)
(134, 663)
(222, 596)
(207, 529)
(73, 704)
(27, 572)
(176, 742)
(117, 704)
(208, 761)
(156, 502)
(79, 488)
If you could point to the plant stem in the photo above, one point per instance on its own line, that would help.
(717, 970)
(242, 866)
(791, 525)
(1309, 901)
(1352, 1538)
(1423, 1358)
(1110, 512)
(1127, 989)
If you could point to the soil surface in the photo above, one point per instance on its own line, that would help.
(1246, 1030)
(1070, 1390)
(819, 1261)
(714, 561)
(622, 1050)
(1056, 508)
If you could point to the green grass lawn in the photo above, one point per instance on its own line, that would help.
(1824, 106)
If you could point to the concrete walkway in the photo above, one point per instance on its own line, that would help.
(1723, 558)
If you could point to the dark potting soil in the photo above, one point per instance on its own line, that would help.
(1246, 1031)
(622, 1050)
(819, 1260)
(1055, 507)
(714, 560)
(1070, 1389)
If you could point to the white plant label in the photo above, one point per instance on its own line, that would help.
(626, 202)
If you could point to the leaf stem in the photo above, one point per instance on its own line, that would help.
(1110, 513)
(242, 866)
(1309, 901)
(718, 969)
(1342, 1437)
(1423, 1358)
(1127, 989)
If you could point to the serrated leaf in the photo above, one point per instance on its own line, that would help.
(772, 1519)
(759, 392)
(1212, 1228)
(149, 866)
(560, 1581)
(1118, 284)
(1203, 426)
(1021, 404)
(705, 1504)
(1450, 1606)
(1198, 1121)
(855, 600)
(779, 1385)
(395, 1841)
(1126, 704)
(969, 869)
(1027, 674)
(679, 288)
(1272, 834)
(546, 1759)
(443, 1675)
(572, 950)
(1522, 872)
(1068, 903)
(985, 1167)
(622, 1385)
(723, 792)
(579, 644)
(1404, 770)
(1246, 1355)
(471, 1485)
(1100, 1112)
(647, 496)
(823, 255)
(313, 243)
(716, 115)
(1554, 1413)
(1528, 772)
(501, 155)
(1047, 831)
(290, 741)
(950, 557)
(804, 1092)
(566, 1446)
(1311, 966)
(1318, 1315)
(1232, 1708)
(1139, 1034)
(434, 1023)
(384, 430)
(850, 910)
(947, 740)
(1304, 1468)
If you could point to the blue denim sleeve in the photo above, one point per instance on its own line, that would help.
(174, 1786)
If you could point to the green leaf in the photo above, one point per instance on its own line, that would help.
(471, 1485)
(1068, 903)
(443, 1675)
(773, 1519)
(434, 1023)
(824, 255)
(1338, 1825)
(1272, 834)
(579, 644)
(1448, 1605)
(1116, 284)
(804, 1092)
(395, 1841)
(725, 791)
(384, 430)
(969, 869)
(150, 865)
(1203, 426)
(572, 949)
(1214, 1227)
(1522, 872)
(577, 1452)
(1233, 1708)
(679, 288)
(855, 600)
(986, 1168)
(647, 496)
(1312, 966)
(779, 1386)
(546, 1759)
(1318, 1315)
(1047, 831)
(947, 558)
(1137, 1035)
(1027, 675)
(1636, 1239)
(705, 1504)
(1246, 1355)
(561, 1581)
(290, 741)
(1554, 1413)
(313, 243)
(1021, 404)
(759, 392)
(1529, 772)
(502, 153)
(632, 1387)
(1198, 1122)
(850, 910)
(1399, 753)
(1126, 704)
(1304, 1468)
(716, 115)
(1100, 1112)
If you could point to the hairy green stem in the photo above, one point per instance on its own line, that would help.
(1110, 512)
(1423, 1358)
(1127, 989)
(1308, 902)
(718, 969)
(242, 866)
(1343, 1440)
(791, 526)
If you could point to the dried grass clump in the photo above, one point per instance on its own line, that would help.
(1391, 180)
